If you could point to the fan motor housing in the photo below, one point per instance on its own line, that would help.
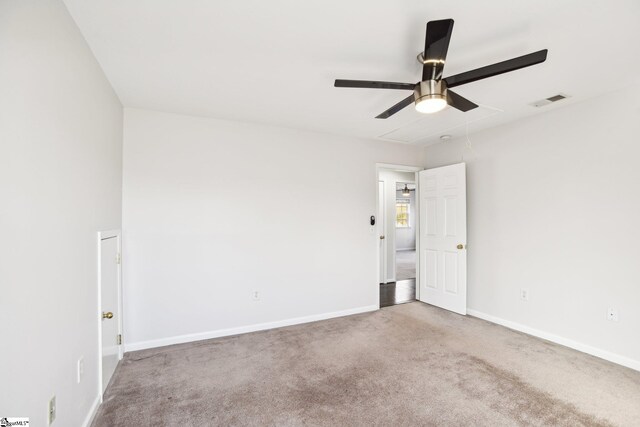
(430, 89)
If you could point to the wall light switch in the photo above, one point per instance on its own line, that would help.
(80, 369)
(52, 410)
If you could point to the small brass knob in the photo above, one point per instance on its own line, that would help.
(107, 315)
(381, 237)
(460, 246)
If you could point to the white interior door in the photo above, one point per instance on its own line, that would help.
(110, 307)
(381, 230)
(443, 237)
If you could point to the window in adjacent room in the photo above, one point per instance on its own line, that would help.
(402, 213)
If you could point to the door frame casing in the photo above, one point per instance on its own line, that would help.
(104, 235)
(400, 168)
(382, 224)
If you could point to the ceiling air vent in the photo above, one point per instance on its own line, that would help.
(550, 100)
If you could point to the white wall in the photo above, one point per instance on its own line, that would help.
(554, 207)
(214, 210)
(60, 182)
(391, 178)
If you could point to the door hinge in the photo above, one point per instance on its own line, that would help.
(119, 339)
(118, 258)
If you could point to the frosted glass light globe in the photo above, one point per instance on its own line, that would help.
(430, 105)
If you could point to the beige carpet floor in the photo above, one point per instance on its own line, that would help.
(410, 364)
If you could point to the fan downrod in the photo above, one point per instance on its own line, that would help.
(421, 59)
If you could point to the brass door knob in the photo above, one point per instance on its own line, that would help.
(107, 315)
(381, 237)
(460, 246)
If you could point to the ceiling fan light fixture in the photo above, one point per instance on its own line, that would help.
(430, 96)
(431, 104)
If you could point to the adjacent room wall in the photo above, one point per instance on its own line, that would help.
(554, 208)
(390, 179)
(216, 210)
(406, 237)
(60, 182)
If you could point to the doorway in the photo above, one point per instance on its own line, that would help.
(109, 305)
(405, 229)
(398, 223)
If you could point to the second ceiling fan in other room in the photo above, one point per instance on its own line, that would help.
(433, 93)
(406, 191)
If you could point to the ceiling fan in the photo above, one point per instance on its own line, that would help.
(406, 191)
(433, 93)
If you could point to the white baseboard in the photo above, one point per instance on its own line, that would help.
(603, 354)
(92, 412)
(180, 339)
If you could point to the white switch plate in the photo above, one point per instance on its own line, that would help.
(52, 410)
(255, 295)
(524, 294)
(612, 314)
(80, 369)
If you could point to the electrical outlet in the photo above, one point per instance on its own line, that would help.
(52, 410)
(524, 294)
(255, 295)
(612, 314)
(80, 369)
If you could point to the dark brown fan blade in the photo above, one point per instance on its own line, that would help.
(436, 45)
(374, 85)
(459, 102)
(495, 69)
(399, 106)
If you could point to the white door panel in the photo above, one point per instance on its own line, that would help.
(110, 304)
(381, 232)
(443, 237)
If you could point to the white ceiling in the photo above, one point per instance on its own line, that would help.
(274, 61)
